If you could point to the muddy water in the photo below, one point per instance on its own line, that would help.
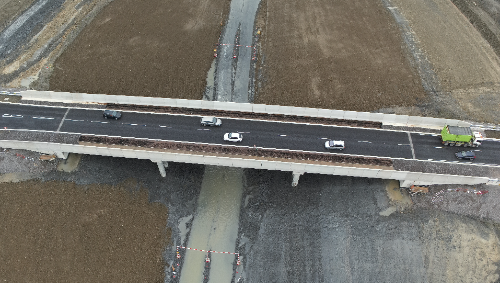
(215, 226)
(235, 53)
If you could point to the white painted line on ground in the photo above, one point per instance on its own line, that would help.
(44, 118)
(62, 120)
(411, 145)
(12, 116)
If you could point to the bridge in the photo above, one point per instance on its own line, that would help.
(275, 137)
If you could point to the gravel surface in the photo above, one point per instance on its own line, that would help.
(333, 228)
(447, 168)
(54, 137)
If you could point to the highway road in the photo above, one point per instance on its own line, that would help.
(358, 141)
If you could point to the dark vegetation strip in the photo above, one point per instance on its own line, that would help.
(237, 150)
(247, 115)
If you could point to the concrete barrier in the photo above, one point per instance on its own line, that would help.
(410, 177)
(389, 119)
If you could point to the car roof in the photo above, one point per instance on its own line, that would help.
(334, 142)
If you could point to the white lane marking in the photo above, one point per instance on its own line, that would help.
(12, 116)
(44, 118)
(203, 129)
(62, 121)
(403, 144)
(411, 145)
(282, 135)
(365, 141)
(99, 122)
(438, 147)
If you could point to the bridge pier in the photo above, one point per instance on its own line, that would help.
(62, 155)
(296, 176)
(162, 165)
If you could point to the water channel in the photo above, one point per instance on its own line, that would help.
(215, 224)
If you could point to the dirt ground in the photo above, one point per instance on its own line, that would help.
(334, 55)
(164, 54)
(63, 232)
(103, 220)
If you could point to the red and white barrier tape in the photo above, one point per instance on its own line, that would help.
(216, 252)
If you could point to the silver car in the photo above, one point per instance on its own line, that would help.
(211, 121)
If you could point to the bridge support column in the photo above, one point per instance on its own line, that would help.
(162, 165)
(62, 155)
(296, 176)
(405, 183)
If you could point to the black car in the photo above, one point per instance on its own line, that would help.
(465, 155)
(111, 114)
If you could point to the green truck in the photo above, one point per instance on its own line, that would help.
(460, 136)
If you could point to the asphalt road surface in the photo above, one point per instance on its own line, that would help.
(359, 141)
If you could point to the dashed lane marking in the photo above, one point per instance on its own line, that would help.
(11, 116)
(44, 118)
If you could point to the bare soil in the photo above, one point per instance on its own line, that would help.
(63, 232)
(334, 55)
(158, 49)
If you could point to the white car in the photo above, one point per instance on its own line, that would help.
(332, 144)
(233, 137)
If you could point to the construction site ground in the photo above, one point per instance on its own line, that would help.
(118, 220)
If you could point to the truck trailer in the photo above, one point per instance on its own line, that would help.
(460, 136)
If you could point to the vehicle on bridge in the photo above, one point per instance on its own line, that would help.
(460, 136)
(465, 155)
(211, 121)
(233, 137)
(332, 144)
(111, 114)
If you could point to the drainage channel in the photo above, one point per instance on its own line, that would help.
(210, 255)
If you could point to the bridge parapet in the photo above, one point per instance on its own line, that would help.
(298, 167)
(390, 119)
